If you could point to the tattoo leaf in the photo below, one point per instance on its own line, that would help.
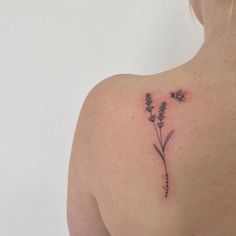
(168, 138)
(159, 152)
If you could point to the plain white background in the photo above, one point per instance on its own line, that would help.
(52, 52)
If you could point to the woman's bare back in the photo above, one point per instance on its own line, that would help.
(156, 155)
(122, 154)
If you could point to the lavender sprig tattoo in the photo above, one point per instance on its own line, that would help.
(158, 123)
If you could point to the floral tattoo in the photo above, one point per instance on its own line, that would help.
(158, 122)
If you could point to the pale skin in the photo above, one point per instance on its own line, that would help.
(116, 176)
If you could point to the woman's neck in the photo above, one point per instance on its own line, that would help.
(218, 17)
(219, 22)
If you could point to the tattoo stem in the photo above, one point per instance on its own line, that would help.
(166, 186)
(158, 136)
(161, 141)
(162, 154)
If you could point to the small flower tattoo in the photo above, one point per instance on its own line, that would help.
(160, 145)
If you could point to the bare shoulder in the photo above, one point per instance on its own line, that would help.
(121, 89)
(140, 150)
(109, 100)
(113, 86)
(95, 134)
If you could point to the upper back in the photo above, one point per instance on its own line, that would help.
(194, 123)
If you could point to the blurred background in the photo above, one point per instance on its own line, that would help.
(51, 54)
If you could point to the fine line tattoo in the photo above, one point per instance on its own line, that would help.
(178, 95)
(160, 146)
